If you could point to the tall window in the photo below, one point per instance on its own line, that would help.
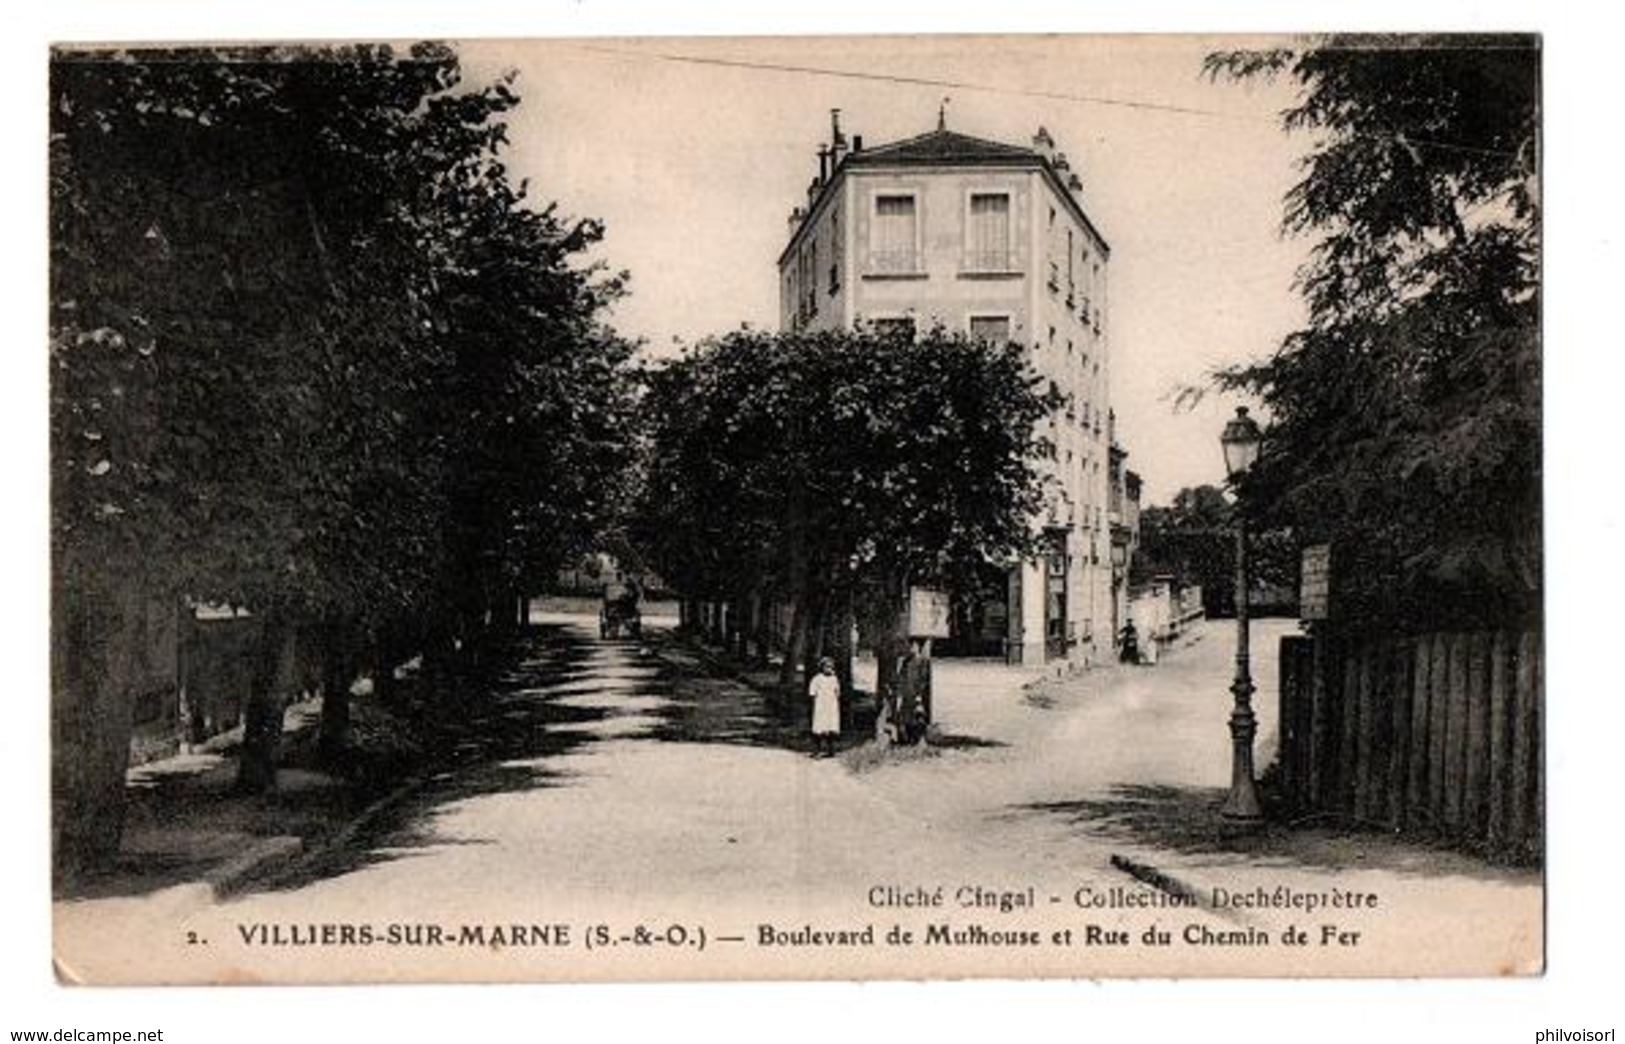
(895, 234)
(835, 249)
(990, 231)
(995, 329)
(809, 281)
(1070, 281)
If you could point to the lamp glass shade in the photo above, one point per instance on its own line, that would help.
(1241, 441)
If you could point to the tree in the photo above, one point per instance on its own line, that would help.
(1405, 417)
(838, 468)
(301, 321)
(1193, 540)
(1190, 540)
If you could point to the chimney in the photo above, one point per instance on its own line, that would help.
(812, 189)
(823, 164)
(857, 143)
(837, 140)
(1074, 182)
(1060, 162)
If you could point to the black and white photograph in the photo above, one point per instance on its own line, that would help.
(839, 507)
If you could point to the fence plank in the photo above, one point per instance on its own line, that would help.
(1526, 757)
(1455, 730)
(1416, 783)
(1363, 664)
(1378, 722)
(1476, 767)
(1348, 745)
(1286, 703)
(1312, 720)
(1537, 743)
(1500, 741)
(1399, 661)
(1291, 695)
(1320, 719)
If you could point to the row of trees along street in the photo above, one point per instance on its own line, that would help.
(312, 354)
(829, 471)
(315, 355)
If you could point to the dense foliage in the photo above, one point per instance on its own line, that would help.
(1406, 414)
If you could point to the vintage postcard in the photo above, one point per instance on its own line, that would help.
(796, 508)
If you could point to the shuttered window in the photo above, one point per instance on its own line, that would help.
(989, 247)
(895, 235)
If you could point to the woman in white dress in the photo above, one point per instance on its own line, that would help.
(825, 692)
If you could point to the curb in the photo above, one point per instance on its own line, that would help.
(273, 858)
(302, 855)
(366, 816)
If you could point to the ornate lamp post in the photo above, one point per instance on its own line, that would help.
(1241, 441)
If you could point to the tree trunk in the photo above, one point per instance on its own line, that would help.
(761, 628)
(743, 625)
(891, 644)
(796, 528)
(262, 717)
(96, 635)
(842, 647)
(337, 674)
(817, 625)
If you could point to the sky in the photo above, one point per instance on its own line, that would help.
(693, 151)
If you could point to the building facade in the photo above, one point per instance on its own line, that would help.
(993, 240)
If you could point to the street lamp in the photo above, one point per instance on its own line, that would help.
(1241, 441)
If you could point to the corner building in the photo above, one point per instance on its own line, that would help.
(991, 239)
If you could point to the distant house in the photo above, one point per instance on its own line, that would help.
(991, 239)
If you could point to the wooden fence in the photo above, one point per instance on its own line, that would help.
(1439, 734)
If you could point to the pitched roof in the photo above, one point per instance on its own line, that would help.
(942, 146)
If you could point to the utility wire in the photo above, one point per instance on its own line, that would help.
(917, 81)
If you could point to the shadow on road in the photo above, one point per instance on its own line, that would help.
(704, 707)
(560, 691)
(557, 690)
(1187, 820)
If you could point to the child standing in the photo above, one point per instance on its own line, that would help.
(825, 692)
